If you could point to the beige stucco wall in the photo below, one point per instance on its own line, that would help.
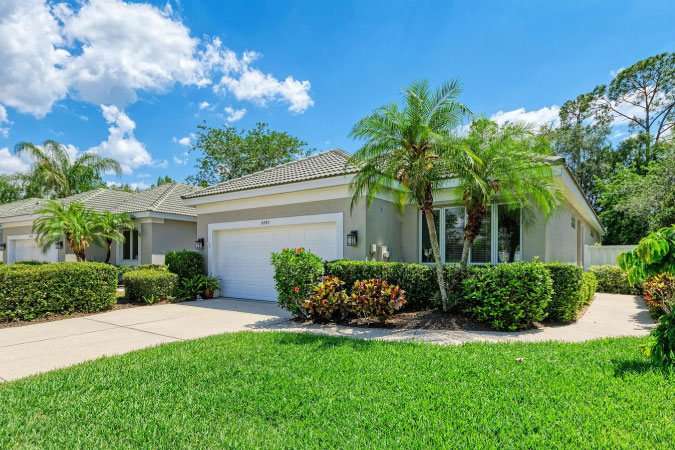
(352, 220)
(384, 228)
(170, 236)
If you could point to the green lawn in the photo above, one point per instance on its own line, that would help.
(297, 391)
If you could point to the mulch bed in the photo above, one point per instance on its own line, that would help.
(432, 319)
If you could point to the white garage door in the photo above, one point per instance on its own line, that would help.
(244, 255)
(28, 249)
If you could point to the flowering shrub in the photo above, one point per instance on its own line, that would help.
(659, 292)
(328, 300)
(374, 299)
(296, 272)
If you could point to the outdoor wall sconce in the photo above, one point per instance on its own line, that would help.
(352, 238)
(59, 245)
(199, 244)
(3, 247)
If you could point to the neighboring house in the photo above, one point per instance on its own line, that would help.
(307, 203)
(162, 223)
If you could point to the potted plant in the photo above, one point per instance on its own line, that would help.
(210, 284)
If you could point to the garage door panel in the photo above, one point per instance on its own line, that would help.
(28, 249)
(244, 255)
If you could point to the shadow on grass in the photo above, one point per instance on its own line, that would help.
(323, 341)
(639, 366)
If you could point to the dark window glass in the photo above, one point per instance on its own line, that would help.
(126, 247)
(134, 240)
(509, 234)
(454, 234)
(427, 252)
(481, 247)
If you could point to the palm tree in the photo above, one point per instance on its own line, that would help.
(56, 171)
(109, 227)
(410, 149)
(510, 165)
(73, 221)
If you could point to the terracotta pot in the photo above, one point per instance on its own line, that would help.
(207, 294)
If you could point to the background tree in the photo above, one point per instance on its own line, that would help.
(582, 139)
(108, 228)
(411, 150)
(229, 153)
(9, 190)
(57, 175)
(74, 222)
(648, 87)
(509, 164)
(163, 180)
(634, 205)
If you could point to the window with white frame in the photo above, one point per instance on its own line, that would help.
(499, 239)
(130, 246)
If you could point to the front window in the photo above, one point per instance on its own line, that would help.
(427, 252)
(130, 246)
(498, 241)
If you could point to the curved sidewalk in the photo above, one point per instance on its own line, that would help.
(41, 347)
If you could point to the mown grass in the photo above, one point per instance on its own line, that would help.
(301, 391)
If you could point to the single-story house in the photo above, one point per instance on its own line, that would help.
(307, 203)
(162, 223)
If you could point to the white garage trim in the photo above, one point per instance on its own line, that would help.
(275, 222)
(52, 254)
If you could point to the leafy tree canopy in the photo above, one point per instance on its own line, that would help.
(228, 153)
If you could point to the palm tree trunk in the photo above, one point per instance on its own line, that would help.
(433, 237)
(475, 214)
(107, 255)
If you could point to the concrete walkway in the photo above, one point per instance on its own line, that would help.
(46, 346)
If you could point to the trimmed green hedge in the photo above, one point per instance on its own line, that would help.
(566, 301)
(589, 284)
(185, 263)
(31, 291)
(613, 280)
(149, 286)
(121, 270)
(31, 262)
(509, 296)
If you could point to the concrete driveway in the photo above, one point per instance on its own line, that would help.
(46, 346)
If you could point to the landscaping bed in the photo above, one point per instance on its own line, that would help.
(281, 390)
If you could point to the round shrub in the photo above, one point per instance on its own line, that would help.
(566, 300)
(613, 280)
(149, 286)
(374, 299)
(121, 270)
(509, 296)
(296, 272)
(31, 291)
(187, 264)
(659, 292)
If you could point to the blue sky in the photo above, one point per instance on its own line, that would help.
(134, 80)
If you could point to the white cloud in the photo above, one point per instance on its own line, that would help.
(204, 105)
(614, 73)
(234, 114)
(182, 141)
(4, 121)
(543, 116)
(121, 143)
(178, 160)
(12, 163)
(32, 57)
(143, 175)
(160, 164)
(107, 51)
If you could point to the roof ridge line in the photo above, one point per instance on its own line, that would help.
(163, 196)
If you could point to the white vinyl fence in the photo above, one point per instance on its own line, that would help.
(604, 254)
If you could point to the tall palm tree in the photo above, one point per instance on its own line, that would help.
(510, 165)
(73, 221)
(109, 227)
(410, 149)
(56, 171)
